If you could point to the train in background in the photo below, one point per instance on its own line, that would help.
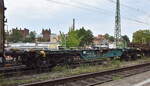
(144, 48)
(48, 59)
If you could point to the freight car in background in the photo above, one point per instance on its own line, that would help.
(49, 59)
(145, 48)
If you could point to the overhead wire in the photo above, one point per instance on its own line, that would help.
(111, 12)
(77, 6)
(92, 6)
(130, 7)
(133, 9)
(85, 6)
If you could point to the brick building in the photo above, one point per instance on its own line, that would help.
(24, 32)
(46, 35)
(98, 39)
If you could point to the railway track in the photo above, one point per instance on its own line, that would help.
(92, 79)
(17, 71)
(22, 71)
(10, 71)
(12, 68)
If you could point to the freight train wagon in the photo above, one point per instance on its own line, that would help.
(46, 58)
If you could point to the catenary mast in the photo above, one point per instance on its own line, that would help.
(117, 24)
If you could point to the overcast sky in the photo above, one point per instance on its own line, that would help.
(96, 15)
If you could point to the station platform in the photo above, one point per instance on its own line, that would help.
(136, 80)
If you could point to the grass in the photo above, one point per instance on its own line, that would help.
(116, 77)
(60, 68)
(65, 71)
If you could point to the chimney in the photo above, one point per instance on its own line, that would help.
(73, 24)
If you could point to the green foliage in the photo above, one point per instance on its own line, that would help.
(63, 39)
(72, 39)
(141, 36)
(76, 38)
(31, 37)
(109, 37)
(86, 36)
(126, 38)
(125, 41)
(16, 36)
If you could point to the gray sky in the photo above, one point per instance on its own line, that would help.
(96, 15)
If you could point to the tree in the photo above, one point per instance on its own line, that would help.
(63, 39)
(109, 37)
(72, 39)
(7, 37)
(31, 37)
(16, 36)
(126, 39)
(89, 37)
(141, 36)
(76, 38)
(86, 37)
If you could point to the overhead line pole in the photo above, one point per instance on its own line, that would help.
(117, 24)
